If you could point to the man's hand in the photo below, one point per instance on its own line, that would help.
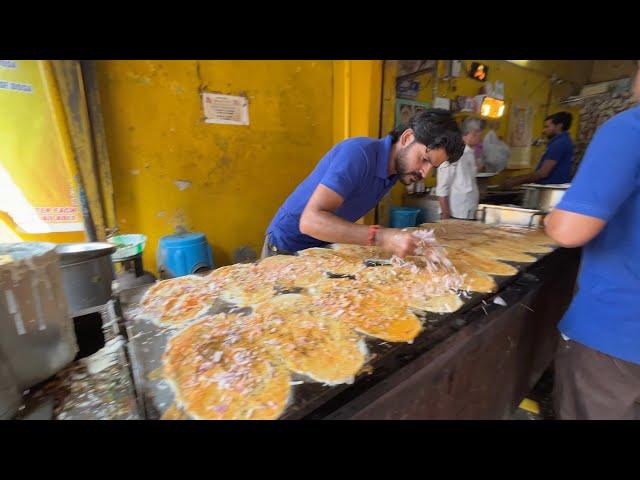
(543, 172)
(509, 183)
(396, 241)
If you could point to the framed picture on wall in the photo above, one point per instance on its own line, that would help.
(521, 125)
(405, 109)
(407, 88)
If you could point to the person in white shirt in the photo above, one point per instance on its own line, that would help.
(457, 188)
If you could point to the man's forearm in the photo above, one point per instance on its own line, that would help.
(444, 206)
(520, 179)
(529, 178)
(328, 227)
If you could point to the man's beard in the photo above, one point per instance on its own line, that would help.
(405, 175)
(408, 179)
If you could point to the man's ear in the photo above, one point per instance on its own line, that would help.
(407, 137)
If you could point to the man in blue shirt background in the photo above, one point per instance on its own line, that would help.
(555, 165)
(353, 177)
(597, 366)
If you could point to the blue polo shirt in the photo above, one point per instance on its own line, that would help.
(560, 149)
(356, 169)
(605, 313)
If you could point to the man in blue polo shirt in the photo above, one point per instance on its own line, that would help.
(598, 361)
(353, 177)
(555, 165)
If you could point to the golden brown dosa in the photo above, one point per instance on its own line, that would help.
(374, 311)
(216, 373)
(311, 342)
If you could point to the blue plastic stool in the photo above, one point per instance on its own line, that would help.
(402, 217)
(183, 254)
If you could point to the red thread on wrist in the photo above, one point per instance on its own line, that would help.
(371, 237)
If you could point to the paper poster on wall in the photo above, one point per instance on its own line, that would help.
(520, 157)
(225, 109)
(405, 109)
(442, 102)
(407, 89)
(520, 126)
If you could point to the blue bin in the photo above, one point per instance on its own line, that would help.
(402, 217)
(184, 254)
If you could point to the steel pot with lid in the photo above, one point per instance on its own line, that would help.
(543, 197)
(87, 274)
(531, 198)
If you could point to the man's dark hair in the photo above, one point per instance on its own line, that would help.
(435, 128)
(563, 118)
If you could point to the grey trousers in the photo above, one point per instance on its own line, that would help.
(591, 385)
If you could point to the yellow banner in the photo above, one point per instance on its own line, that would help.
(36, 188)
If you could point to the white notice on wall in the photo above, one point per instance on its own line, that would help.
(225, 109)
(441, 102)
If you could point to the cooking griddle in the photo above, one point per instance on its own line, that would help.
(147, 342)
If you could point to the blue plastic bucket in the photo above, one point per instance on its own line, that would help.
(402, 217)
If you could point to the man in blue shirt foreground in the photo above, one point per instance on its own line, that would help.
(353, 177)
(597, 366)
(555, 165)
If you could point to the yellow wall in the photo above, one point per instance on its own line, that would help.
(357, 87)
(529, 85)
(574, 71)
(239, 175)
